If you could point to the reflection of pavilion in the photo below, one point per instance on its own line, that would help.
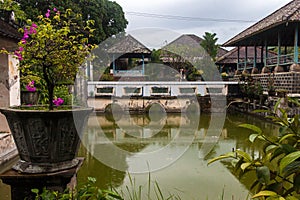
(281, 30)
(139, 128)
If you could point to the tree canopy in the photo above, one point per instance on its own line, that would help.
(108, 16)
(210, 44)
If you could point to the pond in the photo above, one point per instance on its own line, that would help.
(174, 147)
(120, 151)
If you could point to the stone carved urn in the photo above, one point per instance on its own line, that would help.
(47, 141)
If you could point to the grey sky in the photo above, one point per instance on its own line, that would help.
(253, 10)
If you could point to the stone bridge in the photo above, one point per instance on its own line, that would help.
(165, 96)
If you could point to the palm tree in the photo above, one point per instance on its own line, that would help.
(209, 43)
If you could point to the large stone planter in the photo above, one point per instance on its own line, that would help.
(47, 141)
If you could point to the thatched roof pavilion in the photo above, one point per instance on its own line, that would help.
(128, 47)
(280, 29)
(190, 40)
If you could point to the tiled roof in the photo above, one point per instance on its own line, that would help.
(232, 55)
(9, 31)
(185, 39)
(288, 13)
(128, 44)
(192, 40)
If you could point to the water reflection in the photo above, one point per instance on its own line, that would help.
(136, 137)
(188, 175)
(148, 145)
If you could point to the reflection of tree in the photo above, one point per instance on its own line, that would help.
(106, 176)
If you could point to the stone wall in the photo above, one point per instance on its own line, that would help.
(289, 81)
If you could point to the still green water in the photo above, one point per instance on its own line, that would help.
(174, 148)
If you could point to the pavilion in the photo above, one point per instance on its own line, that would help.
(280, 29)
(121, 54)
(228, 62)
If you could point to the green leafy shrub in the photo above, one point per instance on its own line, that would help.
(86, 191)
(278, 168)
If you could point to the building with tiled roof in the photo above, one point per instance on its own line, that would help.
(280, 29)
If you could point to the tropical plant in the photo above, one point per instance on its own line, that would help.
(210, 44)
(86, 191)
(278, 169)
(13, 6)
(53, 49)
(90, 191)
(108, 15)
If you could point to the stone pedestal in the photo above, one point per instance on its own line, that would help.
(22, 183)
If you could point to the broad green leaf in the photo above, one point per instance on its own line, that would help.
(261, 138)
(243, 154)
(227, 155)
(276, 187)
(282, 130)
(291, 168)
(287, 148)
(251, 127)
(276, 105)
(291, 198)
(245, 165)
(252, 137)
(271, 147)
(36, 191)
(281, 198)
(286, 137)
(263, 174)
(297, 183)
(288, 160)
(261, 111)
(264, 193)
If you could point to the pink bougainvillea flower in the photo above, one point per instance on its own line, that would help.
(23, 41)
(32, 30)
(21, 49)
(34, 25)
(54, 9)
(25, 36)
(18, 55)
(30, 87)
(47, 15)
(58, 101)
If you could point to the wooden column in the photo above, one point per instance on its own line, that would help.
(114, 64)
(255, 56)
(296, 53)
(279, 48)
(143, 64)
(246, 57)
(262, 56)
(266, 54)
(238, 57)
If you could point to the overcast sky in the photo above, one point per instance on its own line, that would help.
(190, 14)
